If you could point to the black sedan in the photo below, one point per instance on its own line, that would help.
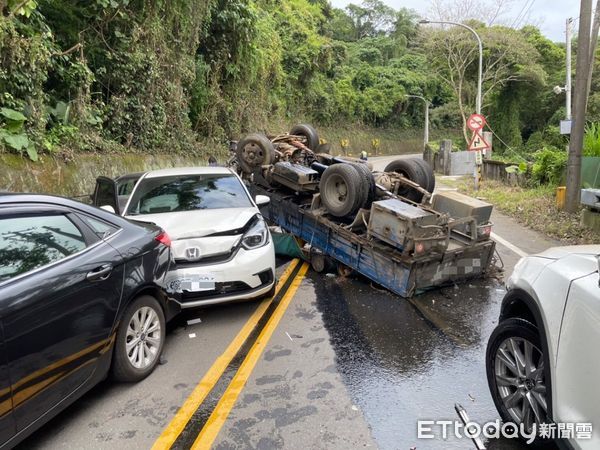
(80, 295)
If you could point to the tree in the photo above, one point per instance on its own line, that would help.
(489, 12)
(371, 18)
(507, 58)
(341, 26)
(405, 26)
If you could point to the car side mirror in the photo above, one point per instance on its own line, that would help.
(262, 200)
(108, 208)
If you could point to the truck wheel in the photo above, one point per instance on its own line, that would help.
(307, 131)
(341, 189)
(140, 340)
(428, 173)
(319, 262)
(409, 169)
(368, 183)
(253, 151)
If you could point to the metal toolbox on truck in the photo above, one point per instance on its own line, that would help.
(459, 206)
(407, 227)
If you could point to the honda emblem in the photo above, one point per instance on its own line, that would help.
(192, 253)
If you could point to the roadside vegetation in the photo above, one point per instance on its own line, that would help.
(185, 76)
(534, 207)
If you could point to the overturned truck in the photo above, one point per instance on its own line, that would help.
(386, 225)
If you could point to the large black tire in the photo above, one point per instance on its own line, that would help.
(254, 151)
(307, 131)
(413, 171)
(428, 173)
(122, 368)
(520, 331)
(368, 184)
(341, 189)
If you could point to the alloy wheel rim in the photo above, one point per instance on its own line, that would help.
(143, 338)
(519, 373)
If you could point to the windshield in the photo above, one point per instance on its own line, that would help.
(188, 193)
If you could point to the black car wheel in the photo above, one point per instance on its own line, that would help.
(140, 340)
(516, 373)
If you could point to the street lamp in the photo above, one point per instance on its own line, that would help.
(426, 129)
(480, 77)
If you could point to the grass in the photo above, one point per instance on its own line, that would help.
(534, 208)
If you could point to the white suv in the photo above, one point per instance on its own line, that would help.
(542, 360)
(221, 244)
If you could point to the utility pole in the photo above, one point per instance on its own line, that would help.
(568, 85)
(580, 100)
(426, 126)
(594, 42)
(426, 132)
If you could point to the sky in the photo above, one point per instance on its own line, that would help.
(548, 15)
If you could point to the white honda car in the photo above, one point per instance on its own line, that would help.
(222, 247)
(543, 360)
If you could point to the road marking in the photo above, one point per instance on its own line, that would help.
(508, 245)
(219, 415)
(202, 389)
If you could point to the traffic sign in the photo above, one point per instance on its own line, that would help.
(478, 142)
(476, 122)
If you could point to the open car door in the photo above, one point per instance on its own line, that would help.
(106, 194)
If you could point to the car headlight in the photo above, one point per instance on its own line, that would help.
(257, 236)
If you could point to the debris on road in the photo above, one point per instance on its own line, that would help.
(194, 321)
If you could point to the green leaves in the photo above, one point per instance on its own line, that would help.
(13, 116)
(112, 3)
(13, 135)
(591, 139)
(17, 142)
(17, 7)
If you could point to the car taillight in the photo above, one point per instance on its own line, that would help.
(164, 239)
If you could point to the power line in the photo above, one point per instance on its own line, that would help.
(523, 14)
(514, 22)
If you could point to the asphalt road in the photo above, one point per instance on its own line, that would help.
(332, 363)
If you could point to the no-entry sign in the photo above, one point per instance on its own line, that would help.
(476, 122)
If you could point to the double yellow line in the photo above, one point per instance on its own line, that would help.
(227, 401)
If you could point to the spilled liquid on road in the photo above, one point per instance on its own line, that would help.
(402, 363)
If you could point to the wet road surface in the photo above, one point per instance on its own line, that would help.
(349, 365)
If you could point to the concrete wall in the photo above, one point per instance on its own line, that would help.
(78, 176)
(448, 162)
(463, 163)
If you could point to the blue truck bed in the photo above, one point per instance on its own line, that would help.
(382, 263)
